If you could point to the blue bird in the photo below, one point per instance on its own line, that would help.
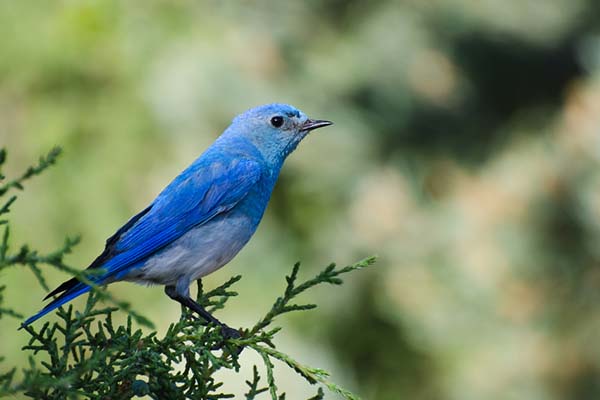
(204, 217)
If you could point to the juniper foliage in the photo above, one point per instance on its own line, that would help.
(88, 355)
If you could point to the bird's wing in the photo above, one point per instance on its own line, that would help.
(196, 196)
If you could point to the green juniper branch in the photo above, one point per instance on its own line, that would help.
(85, 354)
(43, 163)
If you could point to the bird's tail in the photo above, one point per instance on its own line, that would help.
(76, 289)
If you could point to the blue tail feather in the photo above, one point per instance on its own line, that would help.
(67, 296)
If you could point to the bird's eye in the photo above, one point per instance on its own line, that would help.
(277, 121)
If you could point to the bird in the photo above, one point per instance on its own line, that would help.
(204, 217)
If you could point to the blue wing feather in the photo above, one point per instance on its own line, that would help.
(194, 198)
(204, 190)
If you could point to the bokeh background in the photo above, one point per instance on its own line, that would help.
(465, 153)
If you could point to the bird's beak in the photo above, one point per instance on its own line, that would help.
(311, 124)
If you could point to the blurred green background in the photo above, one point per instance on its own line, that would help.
(466, 153)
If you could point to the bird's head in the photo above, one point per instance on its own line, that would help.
(275, 129)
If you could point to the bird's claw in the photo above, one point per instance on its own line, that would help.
(230, 333)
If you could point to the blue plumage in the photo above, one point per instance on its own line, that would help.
(203, 218)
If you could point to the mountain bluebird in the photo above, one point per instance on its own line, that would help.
(204, 217)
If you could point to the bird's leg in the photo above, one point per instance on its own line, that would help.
(186, 301)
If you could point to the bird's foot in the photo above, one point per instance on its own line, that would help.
(230, 333)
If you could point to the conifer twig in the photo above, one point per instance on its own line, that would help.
(86, 354)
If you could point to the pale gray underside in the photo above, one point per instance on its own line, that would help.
(197, 253)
